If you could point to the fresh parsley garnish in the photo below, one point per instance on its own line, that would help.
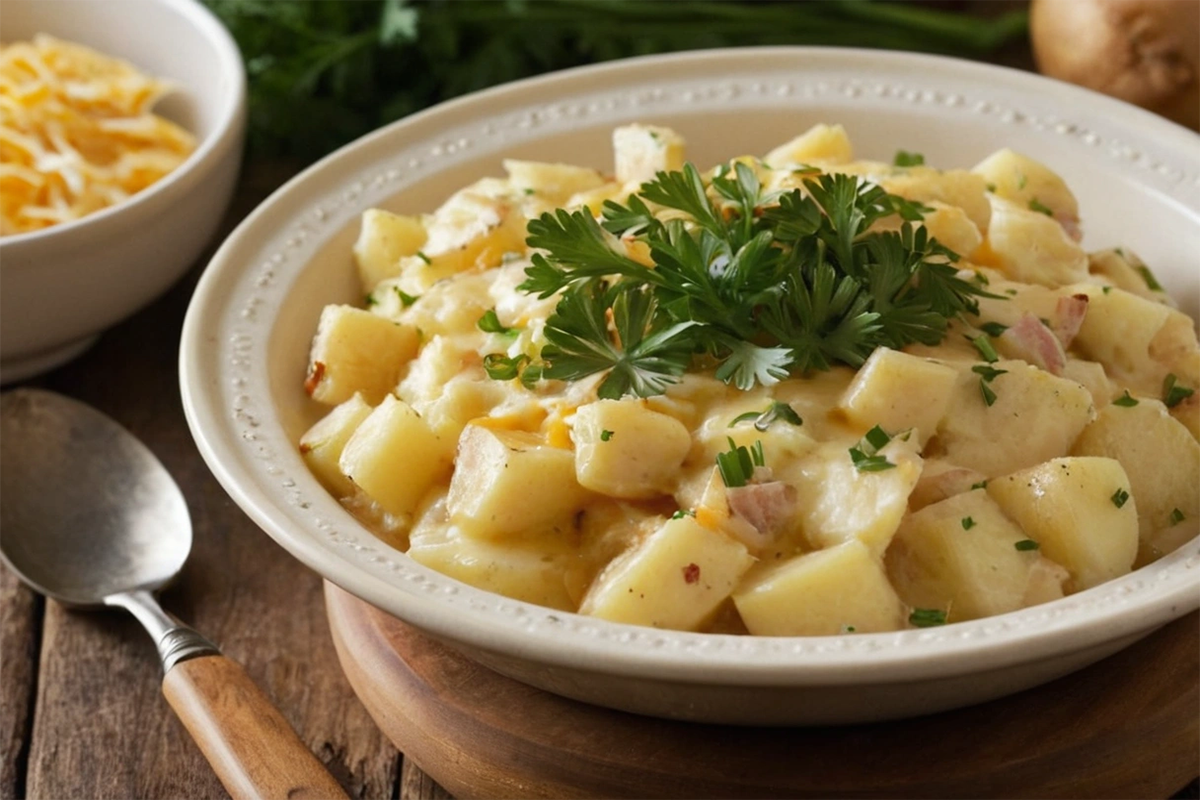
(1173, 393)
(1126, 400)
(927, 617)
(490, 323)
(503, 368)
(906, 159)
(993, 328)
(1026, 545)
(865, 455)
(763, 419)
(737, 463)
(755, 284)
(1119, 498)
(968, 523)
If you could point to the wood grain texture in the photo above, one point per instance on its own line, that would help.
(1125, 727)
(20, 636)
(248, 743)
(102, 728)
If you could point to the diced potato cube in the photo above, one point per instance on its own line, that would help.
(954, 187)
(641, 151)
(506, 482)
(623, 449)
(1090, 375)
(1023, 181)
(897, 392)
(1124, 270)
(674, 579)
(357, 351)
(824, 593)
(323, 443)
(382, 241)
(531, 568)
(394, 457)
(960, 555)
(1032, 248)
(1015, 300)
(837, 502)
(471, 231)
(1160, 457)
(1119, 330)
(1034, 417)
(828, 143)
(553, 183)
(951, 226)
(1072, 509)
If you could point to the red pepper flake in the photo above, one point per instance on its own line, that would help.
(315, 374)
(691, 573)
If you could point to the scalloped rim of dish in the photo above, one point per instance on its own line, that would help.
(186, 175)
(333, 544)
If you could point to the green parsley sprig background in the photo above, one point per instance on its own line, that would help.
(758, 285)
(323, 72)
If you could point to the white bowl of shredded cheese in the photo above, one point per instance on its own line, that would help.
(123, 129)
(361, 496)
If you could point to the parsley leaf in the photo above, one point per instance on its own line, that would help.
(1173, 393)
(1026, 544)
(1119, 498)
(927, 617)
(1126, 400)
(490, 323)
(865, 455)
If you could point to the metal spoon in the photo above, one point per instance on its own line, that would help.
(91, 518)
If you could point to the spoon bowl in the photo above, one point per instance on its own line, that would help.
(88, 510)
(91, 518)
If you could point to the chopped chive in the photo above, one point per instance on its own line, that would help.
(1026, 544)
(980, 485)
(681, 513)
(500, 367)
(989, 374)
(762, 420)
(1041, 208)
(490, 323)
(991, 187)
(1125, 400)
(927, 617)
(423, 257)
(1119, 498)
(605, 435)
(736, 465)
(1148, 276)
(877, 437)
(906, 159)
(984, 346)
(865, 455)
(371, 301)
(1021, 181)
(406, 299)
(1176, 516)
(529, 190)
(1106, 289)
(968, 523)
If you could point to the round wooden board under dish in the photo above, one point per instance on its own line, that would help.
(1126, 727)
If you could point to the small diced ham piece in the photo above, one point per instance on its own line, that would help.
(766, 506)
(1031, 341)
(1068, 317)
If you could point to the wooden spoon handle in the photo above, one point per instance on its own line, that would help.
(249, 744)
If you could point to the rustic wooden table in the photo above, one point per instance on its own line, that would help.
(81, 714)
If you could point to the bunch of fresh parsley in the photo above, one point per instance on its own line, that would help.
(323, 72)
(757, 285)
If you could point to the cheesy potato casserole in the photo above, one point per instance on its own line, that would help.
(801, 394)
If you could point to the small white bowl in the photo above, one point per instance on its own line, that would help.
(61, 286)
(247, 334)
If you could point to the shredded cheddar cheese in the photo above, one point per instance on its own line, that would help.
(76, 133)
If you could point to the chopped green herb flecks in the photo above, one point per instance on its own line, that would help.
(906, 159)
(991, 187)
(503, 368)
(490, 323)
(968, 523)
(371, 301)
(763, 419)
(737, 464)
(423, 257)
(1173, 393)
(1126, 400)
(993, 328)
(1176, 516)
(1119, 498)
(979, 485)
(927, 617)
(984, 346)
(988, 373)
(1151, 282)
(989, 396)
(681, 513)
(605, 435)
(865, 455)
(406, 299)
(1026, 544)
(1041, 208)
(1106, 289)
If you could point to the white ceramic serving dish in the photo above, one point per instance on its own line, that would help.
(61, 286)
(247, 334)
